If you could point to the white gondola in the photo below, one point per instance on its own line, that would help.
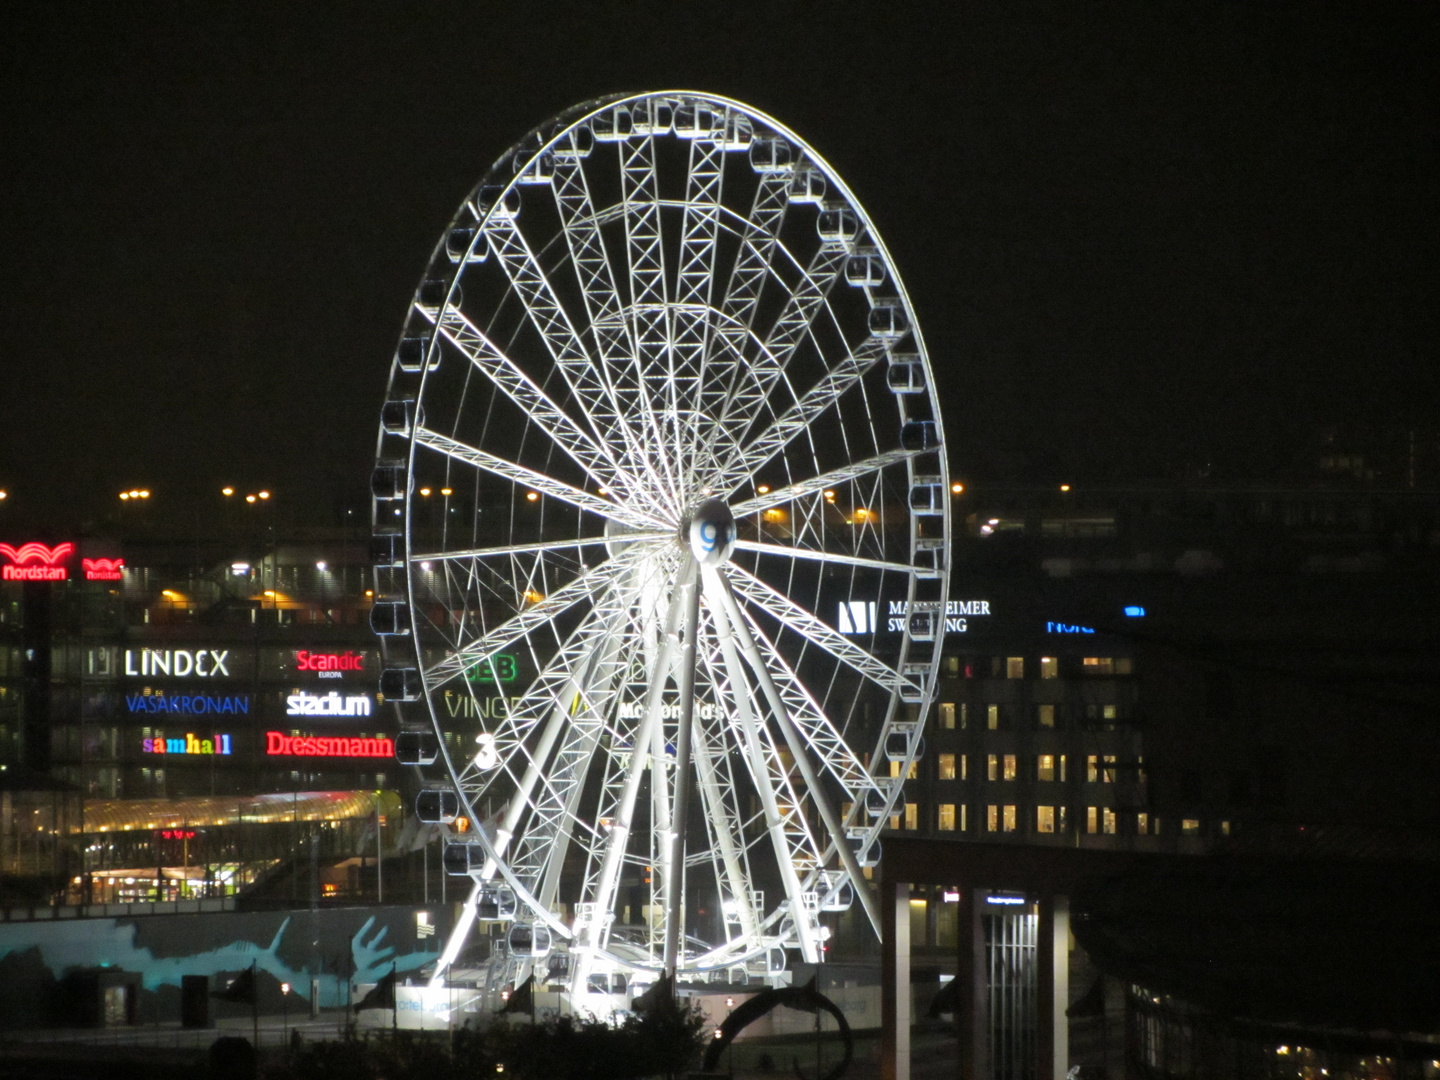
(390, 617)
(918, 672)
(416, 748)
(771, 156)
(904, 740)
(927, 496)
(539, 169)
(837, 225)
(496, 903)
(919, 434)
(612, 125)
(906, 374)
(807, 186)
(930, 560)
(653, 117)
(412, 353)
(866, 853)
(736, 134)
(396, 417)
(435, 293)
(460, 246)
(498, 203)
(578, 143)
(462, 859)
(865, 269)
(926, 619)
(529, 941)
(696, 120)
(888, 320)
(401, 684)
(437, 806)
(387, 549)
(389, 481)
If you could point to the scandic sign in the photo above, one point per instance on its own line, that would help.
(331, 664)
(278, 744)
(36, 562)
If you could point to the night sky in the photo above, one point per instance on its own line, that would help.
(1144, 239)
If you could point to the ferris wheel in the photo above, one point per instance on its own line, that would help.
(661, 527)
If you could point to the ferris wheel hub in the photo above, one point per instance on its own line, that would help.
(710, 533)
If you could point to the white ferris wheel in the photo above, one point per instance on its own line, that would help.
(661, 525)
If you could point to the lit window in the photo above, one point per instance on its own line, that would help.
(912, 816)
(992, 717)
(1108, 821)
(964, 766)
(992, 767)
(964, 715)
(1044, 819)
(1062, 768)
(1010, 818)
(1092, 768)
(1124, 666)
(964, 818)
(992, 818)
(1224, 828)
(1190, 825)
(1047, 716)
(1049, 667)
(1012, 769)
(1014, 667)
(947, 716)
(895, 822)
(945, 818)
(1098, 665)
(1045, 767)
(1107, 774)
(910, 774)
(951, 665)
(945, 767)
(1092, 819)
(1110, 712)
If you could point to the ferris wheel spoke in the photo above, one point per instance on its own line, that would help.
(797, 619)
(821, 555)
(533, 478)
(527, 621)
(492, 362)
(648, 311)
(815, 484)
(603, 306)
(463, 554)
(799, 417)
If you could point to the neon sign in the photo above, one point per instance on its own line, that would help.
(862, 616)
(188, 704)
(331, 704)
(329, 665)
(103, 569)
(279, 744)
(501, 667)
(188, 745)
(1067, 628)
(176, 834)
(49, 562)
(202, 663)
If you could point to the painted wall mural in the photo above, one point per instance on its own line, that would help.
(339, 947)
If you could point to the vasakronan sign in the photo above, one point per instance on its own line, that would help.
(178, 663)
(865, 616)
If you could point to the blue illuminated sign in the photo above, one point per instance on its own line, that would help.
(1135, 612)
(1067, 628)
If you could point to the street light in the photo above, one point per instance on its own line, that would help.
(285, 997)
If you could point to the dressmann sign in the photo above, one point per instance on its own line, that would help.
(862, 616)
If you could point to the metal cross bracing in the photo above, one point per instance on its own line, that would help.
(652, 301)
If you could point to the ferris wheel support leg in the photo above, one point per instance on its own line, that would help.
(675, 880)
(749, 726)
(798, 750)
(456, 941)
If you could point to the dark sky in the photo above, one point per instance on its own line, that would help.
(1141, 236)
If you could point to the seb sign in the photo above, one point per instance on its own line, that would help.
(38, 562)
(329, 665)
